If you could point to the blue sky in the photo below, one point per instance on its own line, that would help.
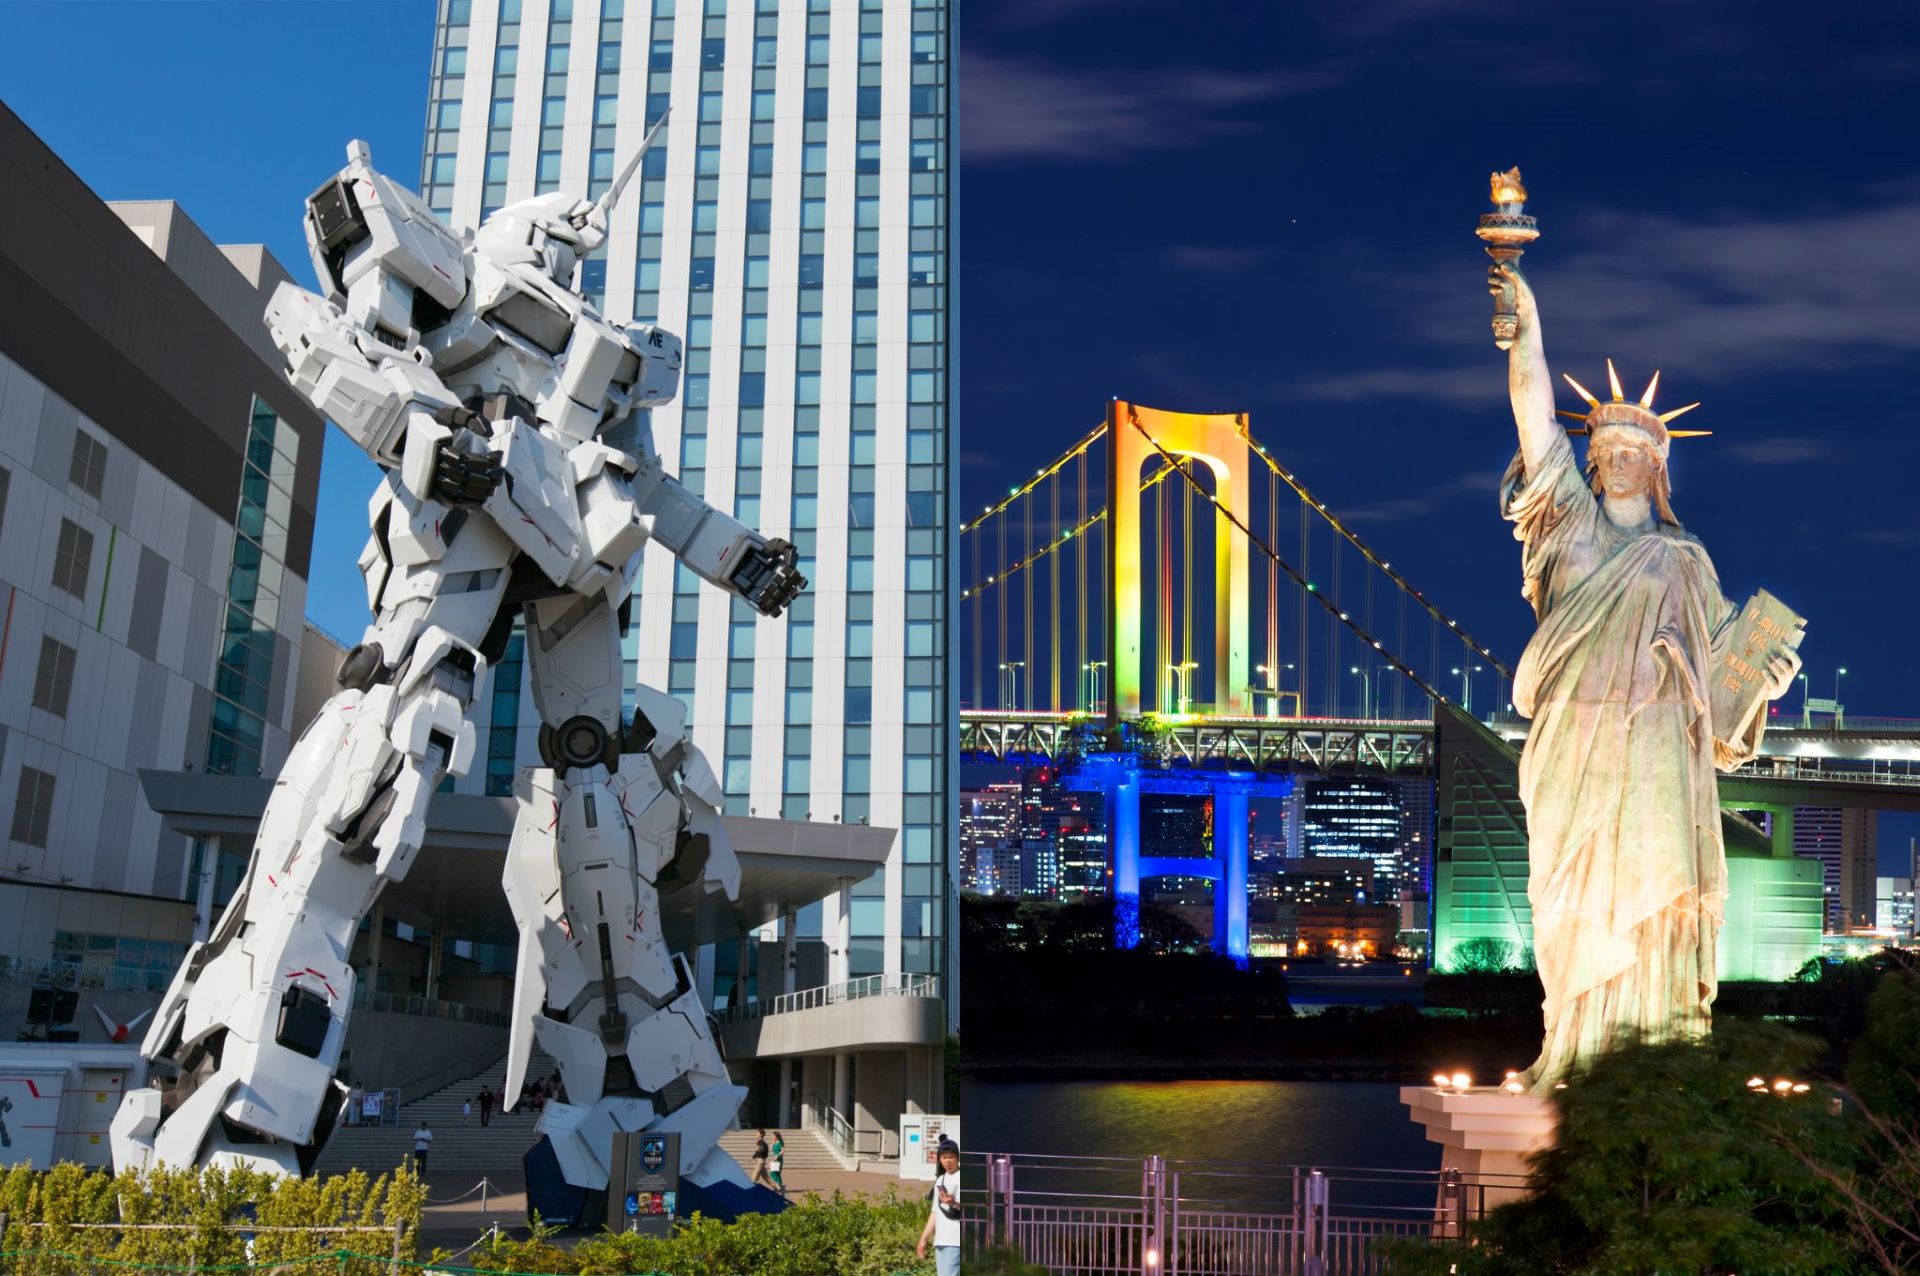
(237, 112)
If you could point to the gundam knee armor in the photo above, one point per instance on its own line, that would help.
(242, 1052)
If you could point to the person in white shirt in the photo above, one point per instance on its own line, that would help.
(943, 1220)
(422, 1140)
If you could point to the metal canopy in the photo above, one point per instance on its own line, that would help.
(455, 879)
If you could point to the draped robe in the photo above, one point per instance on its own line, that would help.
(1628, 877)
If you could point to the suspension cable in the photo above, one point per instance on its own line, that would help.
(1295, 576)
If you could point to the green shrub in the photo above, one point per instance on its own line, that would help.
(209, 1211)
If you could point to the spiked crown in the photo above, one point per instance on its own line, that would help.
(1622, 413)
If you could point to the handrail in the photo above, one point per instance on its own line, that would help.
(428, 1007)
(828, 1120)
(832, 994)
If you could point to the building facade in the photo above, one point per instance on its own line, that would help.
(157, 487)
(1360, 818)
(793, 225)
(1844, 840)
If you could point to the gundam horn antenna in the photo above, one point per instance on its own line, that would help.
(604, 205)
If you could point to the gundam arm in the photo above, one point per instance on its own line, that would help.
(621, 814)
(718, 547)
(389, 402)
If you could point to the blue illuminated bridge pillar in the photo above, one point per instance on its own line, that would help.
(1118, 777)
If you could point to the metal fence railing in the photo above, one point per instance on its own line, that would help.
(428, 1007)
(831, 994)
(1113, 1216)
(85, 975)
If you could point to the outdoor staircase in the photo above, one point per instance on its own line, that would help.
(466, 1148)
(806, 1151)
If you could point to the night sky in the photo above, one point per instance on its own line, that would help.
(1270, 208)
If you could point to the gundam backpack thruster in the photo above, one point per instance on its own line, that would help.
(481, 382)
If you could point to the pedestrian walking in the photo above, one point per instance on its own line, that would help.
(775, 1159)
(486, 1106)
(466, 1111)
(943, 1219)
(759, 1160)
(422, 1140)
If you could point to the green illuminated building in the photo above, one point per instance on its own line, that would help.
(1774, 904)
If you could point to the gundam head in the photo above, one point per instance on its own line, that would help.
(555, 231)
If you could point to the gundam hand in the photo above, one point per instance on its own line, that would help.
(465, 472)
(767, 576)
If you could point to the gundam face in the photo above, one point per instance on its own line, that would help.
(469, 368)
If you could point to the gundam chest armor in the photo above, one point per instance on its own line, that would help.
(470, 370)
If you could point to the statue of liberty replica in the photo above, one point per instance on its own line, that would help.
(1641, 680)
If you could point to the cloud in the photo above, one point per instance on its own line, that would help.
(1780, 450)
(1889, 536)
(1020, 108)
(1711, 301)
(1481, 484)
(1208, 259)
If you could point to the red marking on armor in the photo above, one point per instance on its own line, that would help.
(295, 974)
(271, 881)
(556, 816)
(436, 530)
(624, 807)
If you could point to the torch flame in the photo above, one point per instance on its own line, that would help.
(1506, 187)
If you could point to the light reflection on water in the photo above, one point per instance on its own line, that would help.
(1252, 1125)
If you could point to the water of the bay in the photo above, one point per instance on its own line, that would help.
(1230, 1138)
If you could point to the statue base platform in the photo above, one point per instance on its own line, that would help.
(1486, 1136)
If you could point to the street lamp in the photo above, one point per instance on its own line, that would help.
(1180, 671)
(1466, 684)
(1366, 690)
(1806, 714)
(1010, 695)
(1093, 668)
(1377, 671)
(1273, 686)
(1837, 675)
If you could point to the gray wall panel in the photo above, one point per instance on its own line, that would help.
(197, 716)
(149, 601)
(203, 627)
(53, 448)
(149, 706)
(169, 864)
(116, 494)
(116, 824)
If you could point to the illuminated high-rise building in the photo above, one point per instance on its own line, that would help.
(1355, 818)
(1844, 841)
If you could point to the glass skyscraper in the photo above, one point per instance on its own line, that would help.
(793, 225)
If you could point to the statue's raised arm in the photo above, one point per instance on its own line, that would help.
(1529, 384)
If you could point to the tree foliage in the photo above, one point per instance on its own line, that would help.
(1666, 1159)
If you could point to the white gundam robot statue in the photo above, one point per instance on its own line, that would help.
(468, 367)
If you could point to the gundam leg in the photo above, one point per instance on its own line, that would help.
(621, 813)
(243, 1048)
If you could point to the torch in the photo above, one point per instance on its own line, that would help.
(1506, 232)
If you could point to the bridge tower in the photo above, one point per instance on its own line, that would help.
(1219, 440)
